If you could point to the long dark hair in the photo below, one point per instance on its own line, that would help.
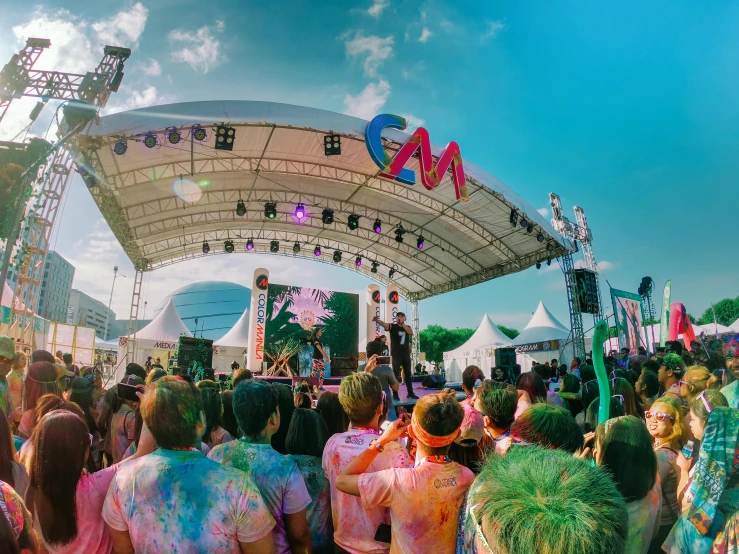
(82, 396)
(60, 445)
(307, 433)
(212, 408)
(534, 385)
(332, 413)
(7, 451)
(41, 380)
(229, 419)
(287, 407)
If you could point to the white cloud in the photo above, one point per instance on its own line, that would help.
(543, 211)
(367, 104)
(201, 50)
(124, 28)
(134, 99)
(412, 121)
(425, 35)
(375, 50)
(492, 30)
(377, 7)
(603, 266)
(152, 68)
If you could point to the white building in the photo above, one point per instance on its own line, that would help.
(86, 311)
(55, 288)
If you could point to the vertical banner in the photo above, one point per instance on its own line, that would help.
(392, 306)
(627, 308)
(664, 326)
(680, 325)
(374, 308)
(257, 318)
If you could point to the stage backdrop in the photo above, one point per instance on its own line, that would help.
(628, 310)
(293, 311)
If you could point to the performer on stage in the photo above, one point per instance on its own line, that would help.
(400, 350)
(318, 368)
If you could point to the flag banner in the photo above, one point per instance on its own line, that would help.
(257, 318)
(374, 308)
(664, 326)
(680, 325)
(627, 307)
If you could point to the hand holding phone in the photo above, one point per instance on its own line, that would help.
(128, 392)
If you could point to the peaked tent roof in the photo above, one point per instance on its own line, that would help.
(487, 334)
(543, 326)
(735, 326)
(239, 333)
(167, 326)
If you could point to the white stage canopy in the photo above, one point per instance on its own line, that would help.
(232, 346)
(164, 193)
(479, 350)
(543, 339)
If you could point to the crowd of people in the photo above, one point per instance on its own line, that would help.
(517, 463)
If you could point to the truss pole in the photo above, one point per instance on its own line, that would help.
(415, 343)
(134, 316)
(578, 334)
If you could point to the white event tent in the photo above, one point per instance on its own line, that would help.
(232, 346)
(651, 333)
(542, 339)
(735, 326)
(479, 350)
(159, 339)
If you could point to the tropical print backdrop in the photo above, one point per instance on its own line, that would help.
(293, 311)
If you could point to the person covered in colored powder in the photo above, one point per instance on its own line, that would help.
(422, 498)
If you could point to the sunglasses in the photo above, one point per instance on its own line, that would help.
(659, 416)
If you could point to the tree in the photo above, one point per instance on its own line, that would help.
(727, 312)
(509, 332)
(435, 340)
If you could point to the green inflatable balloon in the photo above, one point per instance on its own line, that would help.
(599, 337)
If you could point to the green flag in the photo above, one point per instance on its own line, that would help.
(664, 324)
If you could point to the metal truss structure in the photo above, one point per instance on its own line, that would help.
(17, 79)
(578, 232)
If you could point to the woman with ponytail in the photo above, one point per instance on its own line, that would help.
(696, 380)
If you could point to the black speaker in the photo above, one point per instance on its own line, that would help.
(505, 357)
(186, 352)
(587, 291)
(433, 382)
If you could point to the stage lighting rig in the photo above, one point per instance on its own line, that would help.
(115, 82)
(228, 246)
(420, 242)
(337, 257)
(120, 147)
(240, 208)
(353, 222)
(150, 140)
(391, 273)
(538, 265)
(173, 136)
(274, 246)
(249, 245)
(198, 133)
(300, 211)
(270, 210)
(550, 247)
(375, 265)
(530, 228)
(540, 237)
(327, 216)
(296, 248)
(399, 232)
(317, 251)
(513, 218)
(377, 226)
(225, 137)
(524, 222)
(206, 247)
(358, 261)
(332, 145)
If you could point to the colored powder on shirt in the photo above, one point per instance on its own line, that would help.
(15, 387)
(643, 520)
(319, 510)
(123, 427)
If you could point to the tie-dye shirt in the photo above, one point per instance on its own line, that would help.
(276, 476)
(319, 510)
(179, 501)
(426, 497)
(15, 387)
(354, 523)
(643, 520)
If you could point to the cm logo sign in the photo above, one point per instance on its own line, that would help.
(393, 167)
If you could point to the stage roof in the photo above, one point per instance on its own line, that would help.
(163, 202)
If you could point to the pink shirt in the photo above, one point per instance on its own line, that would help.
(93, 536)
(355, 524)
(123, 431)
(424, 504)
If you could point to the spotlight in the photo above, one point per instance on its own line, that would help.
(173, 136)
(120, 147)
(296, 247)
(550, 247)
(549, 261)
(274, 246)
(538, 265)
(391, 273)
(540, 237)
(270, 210)
(228, 246)
(375, 265)
(327, 216)
(88, 178)
(198, 133)
(249, 245)
(530, 228)
(358, 261)
(300, 211)
(115, 82)
(420, 243)
(353, 222)
(206, 247)
(377, 226)
(150, 140)
(513, 218)
(240, 208)
(317, 251)
(332, 145)
(337, 257)
(225, 137)
(399, 235)
(36, 111)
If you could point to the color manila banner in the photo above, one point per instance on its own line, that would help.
(627, 308)
(392, 305)
(664, 326)
(374, 308)
(257, 317)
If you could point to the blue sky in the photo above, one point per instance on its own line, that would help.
(626, 109)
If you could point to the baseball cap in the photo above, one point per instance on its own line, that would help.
(7, 347)
(472, 428)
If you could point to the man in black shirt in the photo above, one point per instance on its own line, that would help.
(400, 350)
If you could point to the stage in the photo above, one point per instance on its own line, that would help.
(332, 384)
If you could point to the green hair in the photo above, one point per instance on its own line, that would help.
(673, 362)
(547, 501)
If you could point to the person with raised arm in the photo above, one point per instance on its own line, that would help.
(401, 336)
